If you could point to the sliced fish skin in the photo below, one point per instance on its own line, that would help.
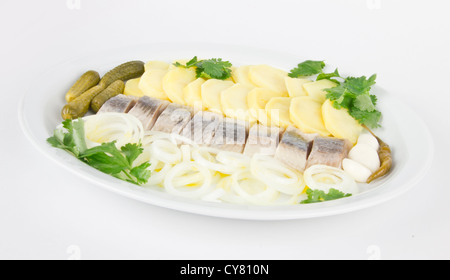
(202, 127)
(262, 140)
(147, 110)
(294, 148)
(231, 135)
(328, 151)
(173, 119)
(118, 104)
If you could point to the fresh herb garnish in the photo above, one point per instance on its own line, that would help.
(351, 93)
(214, 68)
(106, 158)
(354, 95)
(315, 196)
(307, 68)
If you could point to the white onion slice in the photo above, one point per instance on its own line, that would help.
(233, 159)
(277, 175)
(166, 151)
(324, 178)
(185, 153)
(108, 127)
(199, 156)
(157, 177)
(263, 197)
(180, 170)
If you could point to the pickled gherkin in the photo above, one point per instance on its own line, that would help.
(114, 89)
(80, 106)
(84, 83)
(127, 71)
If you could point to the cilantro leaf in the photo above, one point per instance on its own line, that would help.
(141, 173)
(364, 103)
(106, 158)
(307, 68)
(370, 119)
(132, 152)
(315, 196)
(214, 68)
(71, 140)
(354, 95)
(191, 63)
(360, 85)
(329, 76)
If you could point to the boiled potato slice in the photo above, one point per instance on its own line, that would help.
(316, 89)
(132, 88)
(211, 91)
(257, 100)
(175, 81)
(154, 64)
(240, 75)
(234, 103)
(277, 110)
(266, 76)
(151, 83)
(306, 114)
(339, 122)
(192, 94)
(295, 86)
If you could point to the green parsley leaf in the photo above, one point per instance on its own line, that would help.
(354, 95)
(71, 140)
(307, 68)
(214, 68)
(370, 119)
(360, 85)
(315, 196)
(330, 76)
(132, 152)
(364, 103)
(106, 158)
(141, 173)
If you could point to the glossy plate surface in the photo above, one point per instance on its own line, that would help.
(403, 130)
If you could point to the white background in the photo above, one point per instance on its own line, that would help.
(48, 213)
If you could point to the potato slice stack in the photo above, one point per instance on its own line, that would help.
(255, 93)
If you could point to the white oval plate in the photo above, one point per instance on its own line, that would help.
(403, 130)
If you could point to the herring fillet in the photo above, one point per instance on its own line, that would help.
(202, 127)
(147, 110)
(118, 104)
(328, 151)
(231, 135)
(173, 119)
(262, 140)
(294, 148)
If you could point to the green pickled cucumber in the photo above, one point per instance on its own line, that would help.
(85, 82)
(114, 89)
(80, 105)
(127, 71)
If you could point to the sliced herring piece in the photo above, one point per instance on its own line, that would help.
(262, 140)
(173, 119)
(147, 110)
(118, 104)
(231, 135)
(328, 151)
(294, 148)
(202, 127)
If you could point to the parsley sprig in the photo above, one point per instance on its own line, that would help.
(106, 158)
(214, 68)
(315, 196)
(351, 93)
